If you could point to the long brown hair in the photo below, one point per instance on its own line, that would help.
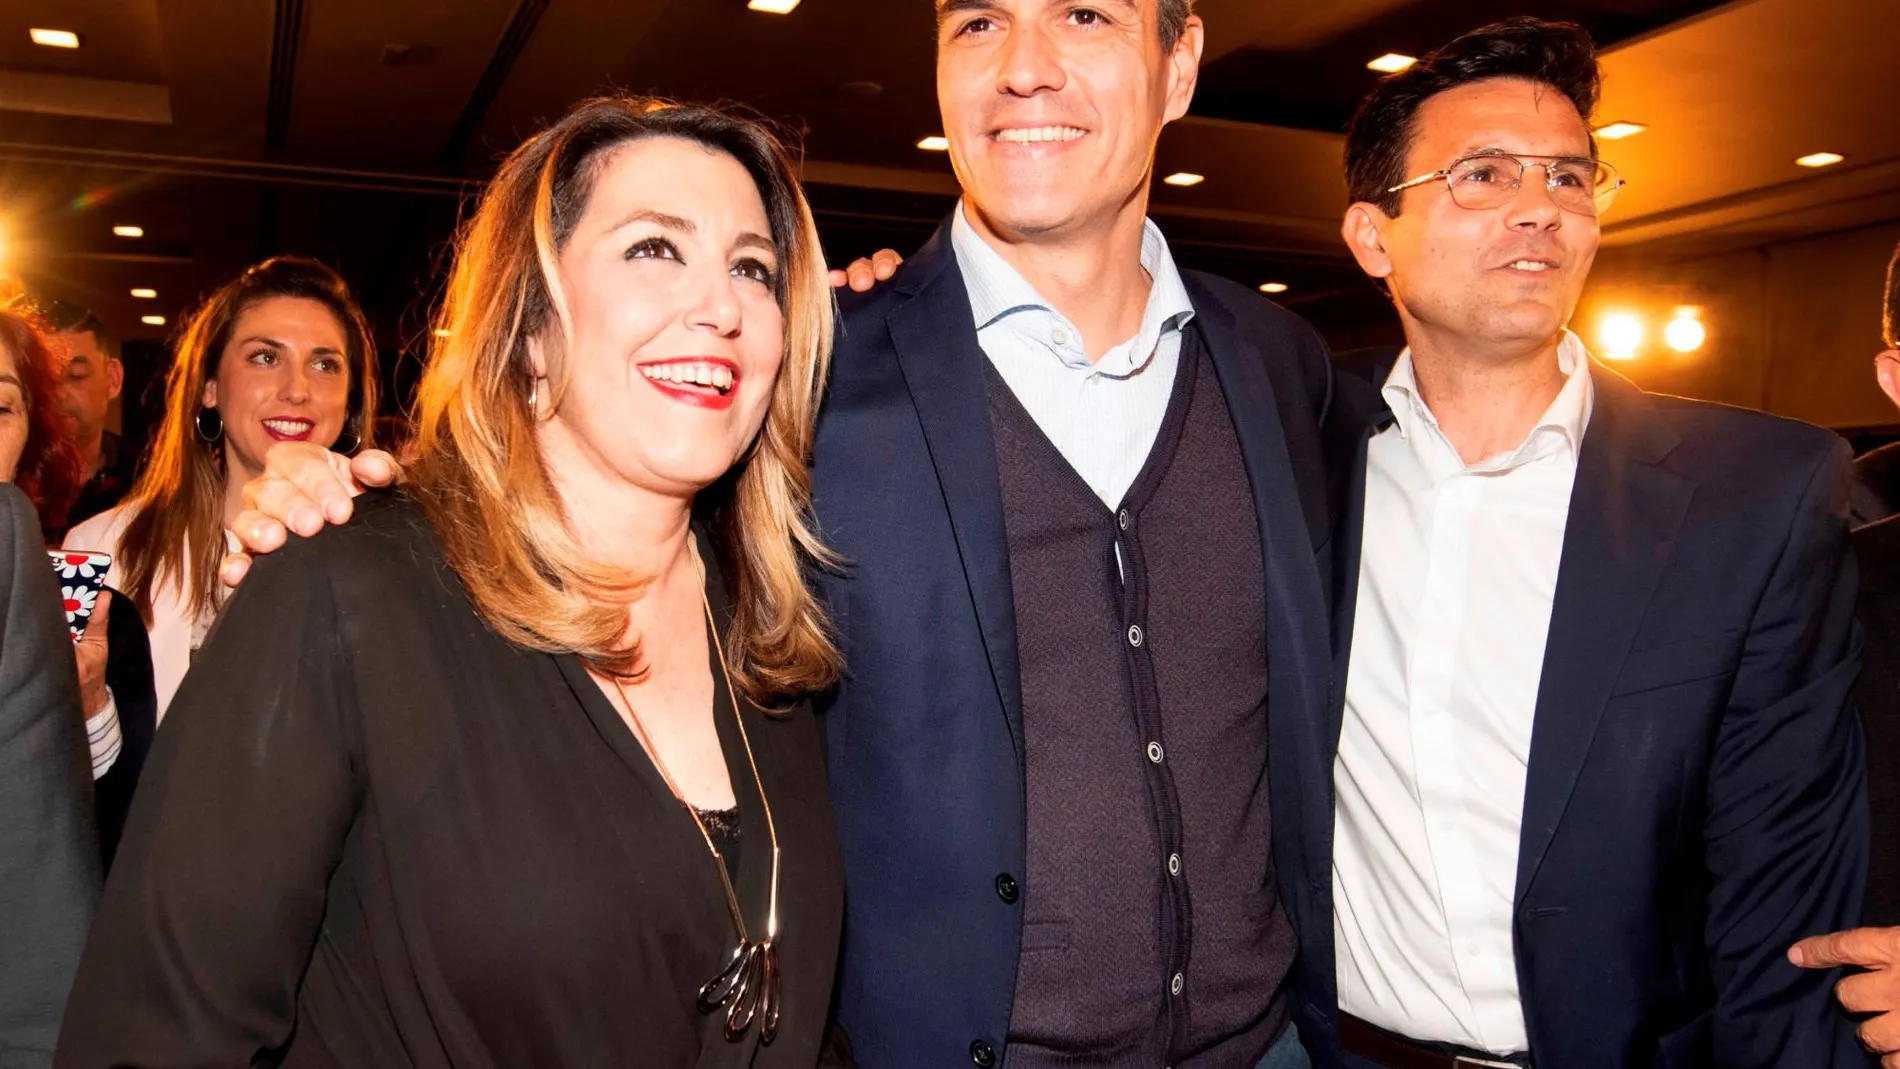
(178, 526)
(478, 473)
(50, 467)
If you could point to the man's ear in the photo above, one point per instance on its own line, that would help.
(1887, 372)
(1364, 231)
(115, 378)
(1185, 64)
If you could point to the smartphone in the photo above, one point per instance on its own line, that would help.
(81, 575)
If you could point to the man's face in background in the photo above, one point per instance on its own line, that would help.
(88, 381)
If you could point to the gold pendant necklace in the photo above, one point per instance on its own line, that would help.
(748, 986)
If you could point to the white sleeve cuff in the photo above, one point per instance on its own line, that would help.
(102, 735)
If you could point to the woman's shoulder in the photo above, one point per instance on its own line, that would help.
(102, 533)
(386, 547)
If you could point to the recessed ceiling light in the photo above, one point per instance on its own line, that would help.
(144, 294)
(773, 7)
(54, 38)
(129, 231)
(934, 143)
(152, 321)
(1273, 287)
(1392, 62)
(1821, 159)
(1185, 178)
(1617, 131)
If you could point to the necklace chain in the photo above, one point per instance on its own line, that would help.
(748, 984)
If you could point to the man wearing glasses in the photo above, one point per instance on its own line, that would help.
(1597, 762)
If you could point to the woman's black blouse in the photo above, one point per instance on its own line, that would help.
(373, 833)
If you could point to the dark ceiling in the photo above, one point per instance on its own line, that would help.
(353, 130)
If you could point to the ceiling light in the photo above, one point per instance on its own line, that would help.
(1685, 333)
(54, 38)
(1273, 287)
(773, 7)
(1185, 178)
(129, 231)
(1821, 159)
(144, 294)
(152, 321)
(1392, 63)
(1617, 131)
(935, 143)
(1621, 335)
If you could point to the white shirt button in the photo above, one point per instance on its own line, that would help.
(1175, 984)
(1059, 336)
(1134, 634)
(1174, 864)
(1154, 752)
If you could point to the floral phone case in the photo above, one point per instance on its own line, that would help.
(81, 575)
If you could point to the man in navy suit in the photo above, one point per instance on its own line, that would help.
(1080, 502)
(1596, 764)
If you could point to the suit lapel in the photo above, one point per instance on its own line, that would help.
(935, 337)
(1625, 510)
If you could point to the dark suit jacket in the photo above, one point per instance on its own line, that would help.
(1878, 548)
(49, 853)
(1695, 800)
(924, 734)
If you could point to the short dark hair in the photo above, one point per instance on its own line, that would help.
(1174, 16)
(1890, 322)
(66, 318)
(1560, 55)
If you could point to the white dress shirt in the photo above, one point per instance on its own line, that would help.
(1456, 578)
(1103, 416)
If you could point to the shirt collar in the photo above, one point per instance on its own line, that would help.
(1564, 421)
(998, 291)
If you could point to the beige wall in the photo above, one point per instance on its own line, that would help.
(1792, 327)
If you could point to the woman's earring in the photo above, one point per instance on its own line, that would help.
(355, 443)
(213, 431)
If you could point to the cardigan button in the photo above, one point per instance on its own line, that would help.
(982, 1054)
(1006, 888)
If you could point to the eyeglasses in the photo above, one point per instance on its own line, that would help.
(1489, 180)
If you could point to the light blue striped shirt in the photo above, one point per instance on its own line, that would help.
(1103, 415)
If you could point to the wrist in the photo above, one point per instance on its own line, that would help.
(94, 699)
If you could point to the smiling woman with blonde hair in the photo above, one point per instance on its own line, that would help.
(515, 768)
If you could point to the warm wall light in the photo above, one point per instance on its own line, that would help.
(773, 7)
(1621, 335)
(1820, 159)
(935, 143)
(1273, 287)
(1685, 333)
(144, 294)
(54, 38)
(1185, 178)
(1392, 62)
(152, 321)
(1617, 131)
(129, 231)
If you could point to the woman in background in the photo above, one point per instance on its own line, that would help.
(280, 353)
(35, 454)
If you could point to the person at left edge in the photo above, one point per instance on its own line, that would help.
(443, 788)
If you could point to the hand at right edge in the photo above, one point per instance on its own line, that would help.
(303, 487)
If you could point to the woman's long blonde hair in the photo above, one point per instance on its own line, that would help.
(177, 529)
(478, 473)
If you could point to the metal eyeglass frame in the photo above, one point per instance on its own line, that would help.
(1600, 197)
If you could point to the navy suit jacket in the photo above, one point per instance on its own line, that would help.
(1695, 800)
(925, 733)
